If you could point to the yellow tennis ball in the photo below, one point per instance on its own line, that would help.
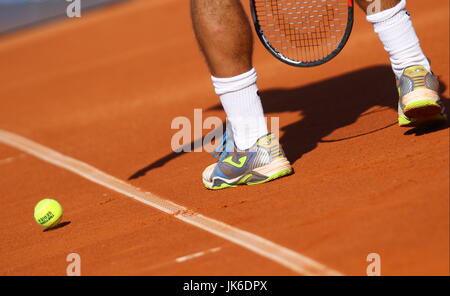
(48, 213)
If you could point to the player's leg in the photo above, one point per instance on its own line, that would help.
(393, 25)
(418, 87)
(225, 38)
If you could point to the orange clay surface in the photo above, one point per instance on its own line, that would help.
(105, 88)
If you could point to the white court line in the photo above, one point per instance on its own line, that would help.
(180, 260)
(10, 159)
(7, 160)
(196, 255)
(268, 249)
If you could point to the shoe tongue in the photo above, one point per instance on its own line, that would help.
(229, 145)
(415, 70)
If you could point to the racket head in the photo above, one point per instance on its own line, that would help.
(303, 33)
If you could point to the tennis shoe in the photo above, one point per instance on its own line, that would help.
(263, 162)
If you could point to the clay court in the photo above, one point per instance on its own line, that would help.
(103, 89)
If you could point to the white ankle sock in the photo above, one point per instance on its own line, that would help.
(240, 100)
(396, 31)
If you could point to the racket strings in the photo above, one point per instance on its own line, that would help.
(307, 30)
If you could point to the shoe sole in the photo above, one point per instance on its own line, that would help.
(422, 109)
(274, 170)
(422, 122)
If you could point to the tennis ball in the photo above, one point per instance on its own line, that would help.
(48, 213)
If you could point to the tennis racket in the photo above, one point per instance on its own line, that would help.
(303, 33)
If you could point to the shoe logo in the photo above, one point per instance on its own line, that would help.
(239, 165)
(418, 70)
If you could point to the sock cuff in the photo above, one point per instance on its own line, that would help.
(386, 14)
(226, 85)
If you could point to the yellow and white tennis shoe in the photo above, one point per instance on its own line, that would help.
(419, 102)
